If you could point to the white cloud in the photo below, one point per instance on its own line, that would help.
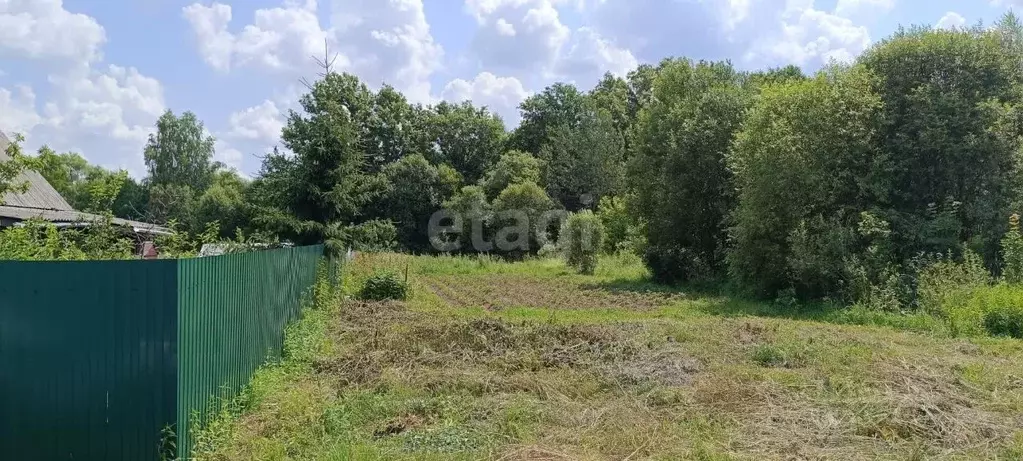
(589, 55)
(281, 39)
(501, 94)
(810, 37)
(227, 154)
(851, 8)
(105, 114)
(44, 29)
(533, 48)
(261, 122)
(209, 23)
(735, 12)
(388, 42)
(381, 41)
(119, 101)
(505, 28)
(18, 110)
(951, 20)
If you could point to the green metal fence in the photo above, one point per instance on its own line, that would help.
(98, 359)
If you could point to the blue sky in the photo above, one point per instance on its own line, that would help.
(92, 76)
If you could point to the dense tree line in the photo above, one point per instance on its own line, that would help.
(844, 183)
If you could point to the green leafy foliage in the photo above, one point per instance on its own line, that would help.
(514, 167)
(40, 240)
(1012, 253)
(12, 166)
(223, 202)
(581, 239)
(415, 190)
(476, 214)
(180, 152)
(468, 138)
(519, 212)
(1005, 319)
(374, 235)
(558, 105)
(679, 172)
(384, 285)
(949, 132)
(946, 284)
(623, 231)
(584, 161)
(802, 163)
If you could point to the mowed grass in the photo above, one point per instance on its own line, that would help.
(496, 360)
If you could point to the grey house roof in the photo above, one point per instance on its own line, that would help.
(42, 201)
(40, 193)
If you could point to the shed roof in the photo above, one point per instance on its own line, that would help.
(42, 201)
(40, 194)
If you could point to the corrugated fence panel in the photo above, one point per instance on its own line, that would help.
(231, 315)
(87, 359)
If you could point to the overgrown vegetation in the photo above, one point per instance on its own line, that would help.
(383, 286)
(528, 360)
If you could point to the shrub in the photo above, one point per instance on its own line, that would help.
(946, 285)
(1012, 252)
(672, 263)
(818, 249)
(514, 167)
(580, 240)
(519, 209)
(995, 310)
(382, 286)
(1005, 320)
(375, 235)
(623, 231)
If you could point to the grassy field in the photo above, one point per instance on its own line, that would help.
(526, 360)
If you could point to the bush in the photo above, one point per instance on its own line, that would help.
(946, 285)
(1012, 252)
(580, 240)
(1005, 320)
(818, 250)
(384, 285)
(670, 264)
(995, 310)
(623, 231)
(375, 235)
(519, 209)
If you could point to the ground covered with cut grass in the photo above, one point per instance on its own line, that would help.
(494, 360)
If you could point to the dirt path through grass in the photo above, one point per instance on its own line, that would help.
(491, 360)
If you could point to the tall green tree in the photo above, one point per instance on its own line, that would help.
(330, 164)
(683, 186)
(514, 167)
(180, 152)
(393, 131)
(223, 202)
(416, 189)
(611, 96)
(584, 162)
(558, 105)
(92, 188)
(802, 166)
(470, 139)
(950, 135)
